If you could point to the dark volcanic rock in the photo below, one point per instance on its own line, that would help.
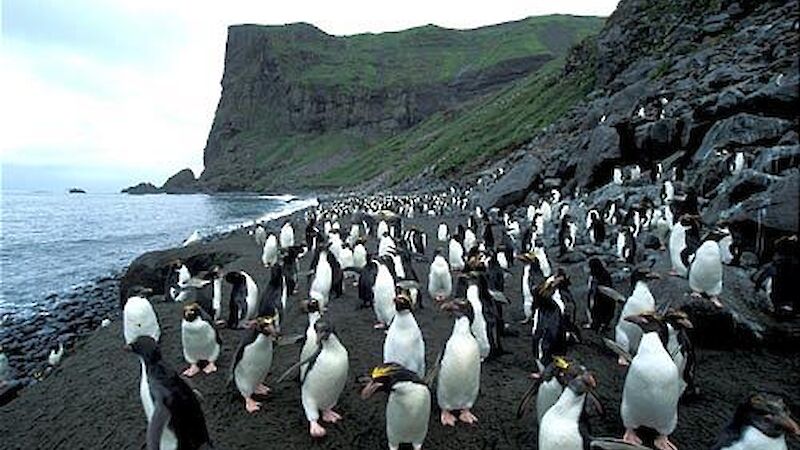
(595, 163)
(142, 188)
(182, 182)
(515, 184)
(740, 130)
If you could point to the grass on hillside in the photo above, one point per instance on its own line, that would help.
(453, 142)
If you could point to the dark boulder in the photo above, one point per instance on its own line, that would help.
(741, 130)
(595, 164)
(767, 215)
(657, 139)
(514, 186)
(775, 160)
(779, 96)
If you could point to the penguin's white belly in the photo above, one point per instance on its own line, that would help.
(547, 396)
(479, 330)
(460, 373)
(139, 319)
(404, 345)
(651, 392)
(753, 439)
(407, 412)
(309, 347)
(383, 304)
(254, 365)
(706, 273)
(439, 282)
(325, 381)
(628, 335)
(199, 341)
(168, 439)
(677, 242)
(559, 433)
(673, 347)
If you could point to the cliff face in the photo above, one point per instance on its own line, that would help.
(296, 102)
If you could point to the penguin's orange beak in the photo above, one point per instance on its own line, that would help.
(370, 389)
(787, 423)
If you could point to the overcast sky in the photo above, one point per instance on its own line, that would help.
(102, 94)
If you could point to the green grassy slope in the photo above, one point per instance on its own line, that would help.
(456, 141)
(422, 55)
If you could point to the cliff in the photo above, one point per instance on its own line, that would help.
(298, 105)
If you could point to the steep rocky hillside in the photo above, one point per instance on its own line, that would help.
(687, 84)
(298, 106)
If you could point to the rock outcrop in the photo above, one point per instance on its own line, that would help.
(182, 182)
(298, 103)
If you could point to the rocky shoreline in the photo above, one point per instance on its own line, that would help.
(61, 319)
(70, 318)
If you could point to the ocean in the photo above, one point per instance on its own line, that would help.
(52, 243)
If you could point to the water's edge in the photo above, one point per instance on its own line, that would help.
(68, 317)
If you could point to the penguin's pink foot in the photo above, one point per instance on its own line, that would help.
(251, 405)
(447, 418)
(715, 301)
(467, 417)
(316, 430)
(663, 443)
(535, 375)
(331, 416)
(191, 371)
(210, 368)
(674, 273)
(262, 389)
(631, 437)
(696, 295)
(379, 325)
(622, 361)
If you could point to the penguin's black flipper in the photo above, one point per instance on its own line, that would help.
(527, 397)
(612, 293)
(310, 360)
(430, 376)
(613, 346)
(159, 421)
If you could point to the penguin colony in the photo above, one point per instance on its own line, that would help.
(366, 244)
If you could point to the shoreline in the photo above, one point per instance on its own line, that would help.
(71, 316)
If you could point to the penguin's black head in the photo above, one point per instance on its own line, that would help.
(146, 347)
(324, 330)
(234, 277)
(768, 413)
(383, 377)
(402, 302)
(191, 312)
(267, 325)
(583, 383)
(564, 369)
(678, 319)
(642, 274)
(715, 235)
(690, 221)
(459, 308)
(310, 306)
(786, 246)
(527, 258)
(596, 266)
(650, 322)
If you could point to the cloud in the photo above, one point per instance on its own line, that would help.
(131, 86)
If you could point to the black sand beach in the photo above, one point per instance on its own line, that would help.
(92, 399)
